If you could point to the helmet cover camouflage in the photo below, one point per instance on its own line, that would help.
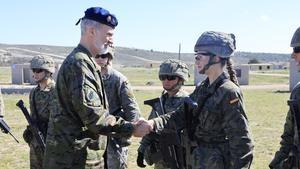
(218, 43)
(43, 62)
(295, 42)
(174, 67)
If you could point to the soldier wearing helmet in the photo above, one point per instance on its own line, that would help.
(42, 67)
(172, 74)
(218, 124)
(41, 99)
(288, 154)
(121, 103)
(105, 59)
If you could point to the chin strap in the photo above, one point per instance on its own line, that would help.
(210, 62)
(176, 87)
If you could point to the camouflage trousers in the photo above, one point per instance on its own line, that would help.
(80, 159)
(114, 154)
(35, 156)
(94, 159)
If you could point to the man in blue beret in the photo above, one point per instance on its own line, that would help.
(79, 124)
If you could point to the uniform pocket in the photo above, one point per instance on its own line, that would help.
(207, 158)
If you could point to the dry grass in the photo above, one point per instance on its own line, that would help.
(266, 111)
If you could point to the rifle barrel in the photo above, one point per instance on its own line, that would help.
(13, 136)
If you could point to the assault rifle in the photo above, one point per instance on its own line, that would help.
(5, 128)
(188, 132)
(35, 129)
(169, 140)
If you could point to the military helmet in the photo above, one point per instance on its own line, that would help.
(295, 42)
(43, 62)
(217, 43)
(174, 67)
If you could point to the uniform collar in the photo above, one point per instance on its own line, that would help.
(83, 49)
(48, 87)
(211, 88)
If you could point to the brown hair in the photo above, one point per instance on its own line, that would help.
(231, 71)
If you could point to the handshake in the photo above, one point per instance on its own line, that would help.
(142, 127)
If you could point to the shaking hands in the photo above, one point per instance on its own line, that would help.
(142, 127)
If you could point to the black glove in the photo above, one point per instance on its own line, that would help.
(27, 135)
(140, 160)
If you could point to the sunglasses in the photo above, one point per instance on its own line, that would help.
(168, 77)
(296, 49)
(37, 70)
(101, 56)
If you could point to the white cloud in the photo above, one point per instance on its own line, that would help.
(265, 18)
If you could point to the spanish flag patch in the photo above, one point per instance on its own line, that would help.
(233, 101)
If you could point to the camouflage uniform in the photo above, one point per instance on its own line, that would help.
(219, 124)
(170, 104)
(1, 105)
(153, 145)
(40, 107)
(290, 138)
(222, 132)
(74, 128)
(287, 142)
(121, 103)
(41, 102)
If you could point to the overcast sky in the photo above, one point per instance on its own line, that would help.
(259, 25)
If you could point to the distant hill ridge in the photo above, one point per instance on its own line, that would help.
(10, 53)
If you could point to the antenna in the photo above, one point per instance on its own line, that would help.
(179, 49)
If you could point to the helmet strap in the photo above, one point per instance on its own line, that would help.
(210, 62)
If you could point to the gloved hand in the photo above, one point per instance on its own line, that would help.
(140, 160)
(27, 135)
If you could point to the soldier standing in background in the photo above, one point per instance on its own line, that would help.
(172, 74)
(77, 130)
(219, 123)
(121, 103)
(41, 98)
(288, 155)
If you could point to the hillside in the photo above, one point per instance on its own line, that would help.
(10, 54)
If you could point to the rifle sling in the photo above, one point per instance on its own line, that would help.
(200, 107)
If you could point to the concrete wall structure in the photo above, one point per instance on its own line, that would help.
(261, 66)
(22, 74)
(241, 70)
(294, 74)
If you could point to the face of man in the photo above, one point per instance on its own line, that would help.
(103, 37)
(168, 82)
(101, 60)
(201, 60)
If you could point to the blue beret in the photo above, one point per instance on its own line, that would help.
(100, 15)
(218, 43)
